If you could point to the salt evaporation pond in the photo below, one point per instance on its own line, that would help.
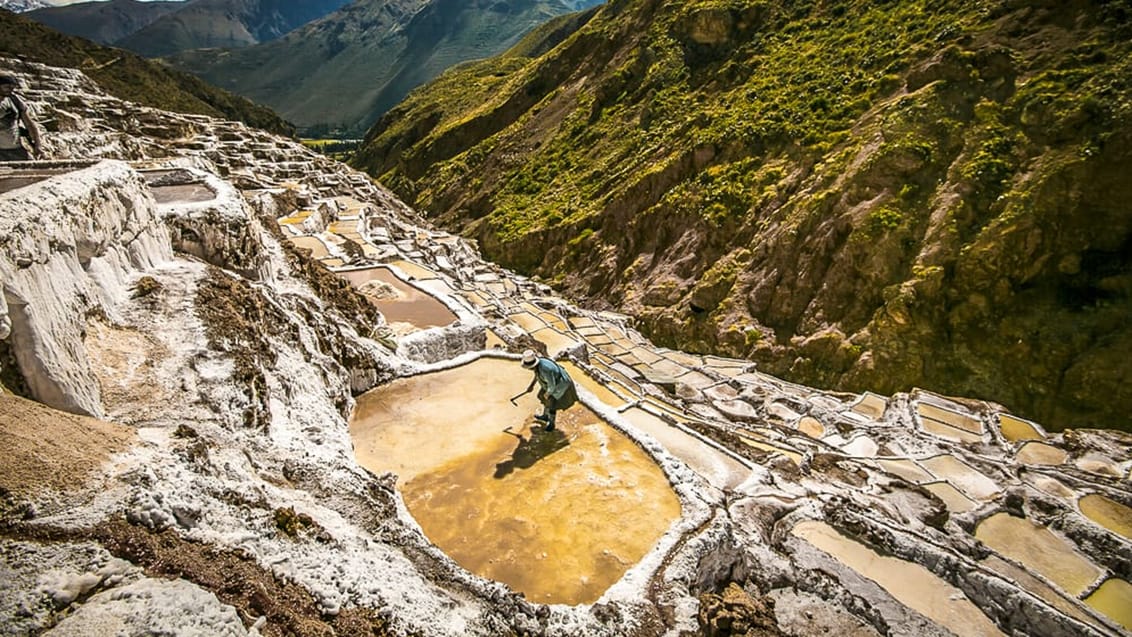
(543, 512)
(400, 303)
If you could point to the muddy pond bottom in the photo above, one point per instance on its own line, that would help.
(559, 516)
(405, 307)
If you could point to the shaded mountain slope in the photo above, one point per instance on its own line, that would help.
(342, 72)
(225, 23)
(129, 76)
(103, 22)
(856, 195)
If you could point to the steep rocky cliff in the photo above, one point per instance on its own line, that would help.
(854, 194)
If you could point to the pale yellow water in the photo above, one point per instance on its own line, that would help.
(544, 512)
(956, 502)
(1037, 587)
(811, 426)
(871, 405)
(1015, 429)
(911, 584)
(1040, 550)
(1114, 599)
(955, 419)
(298, 217)
(947, 431)
(555, 341)
(527, 321)
(1110, 514)
(1039, 453)
(414, 270)
(601, 392)
(314, 244)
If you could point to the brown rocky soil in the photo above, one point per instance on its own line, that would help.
(737, 612)
(45, 449)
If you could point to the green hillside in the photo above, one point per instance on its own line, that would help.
(129, 76)
(859, 195)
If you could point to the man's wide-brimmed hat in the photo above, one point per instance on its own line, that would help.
(8, 79)
(529, 358)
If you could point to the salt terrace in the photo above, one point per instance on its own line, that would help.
(676, 472)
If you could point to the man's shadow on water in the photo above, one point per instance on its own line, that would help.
(538, 445)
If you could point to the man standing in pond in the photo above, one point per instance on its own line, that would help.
(13, 112)
(556, 389)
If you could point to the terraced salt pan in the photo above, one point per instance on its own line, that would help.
(1099, 464)
(680, 358)
(949, 417)
(1050, 485)
(9, 182)
(1015, 429)
(494, 342)
(906, 469)
(579, 322)
(871, 405)
(660, 407)
(544, 512)
(1113, 598)
(401, 303)
(947, 432)
(696, 379)
(718, 468)
(549, 318)
(314, 244)
(296, 217)
(811, 426)
(1040, 550)
(1039, 453)
(1110, 514)
(476, 299)
(963, 477)
(910, 584)
(529, 322)
(954, 499)
(555, 341)
(1037, 587)
(414, 270)
(650, 357)
(662, 366)
(600, 391)
(765, 445)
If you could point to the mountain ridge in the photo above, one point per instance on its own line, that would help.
(103, 22)
(225, 23)
(341, 72)
(129, 76)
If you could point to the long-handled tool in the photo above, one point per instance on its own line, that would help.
(519, 395)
